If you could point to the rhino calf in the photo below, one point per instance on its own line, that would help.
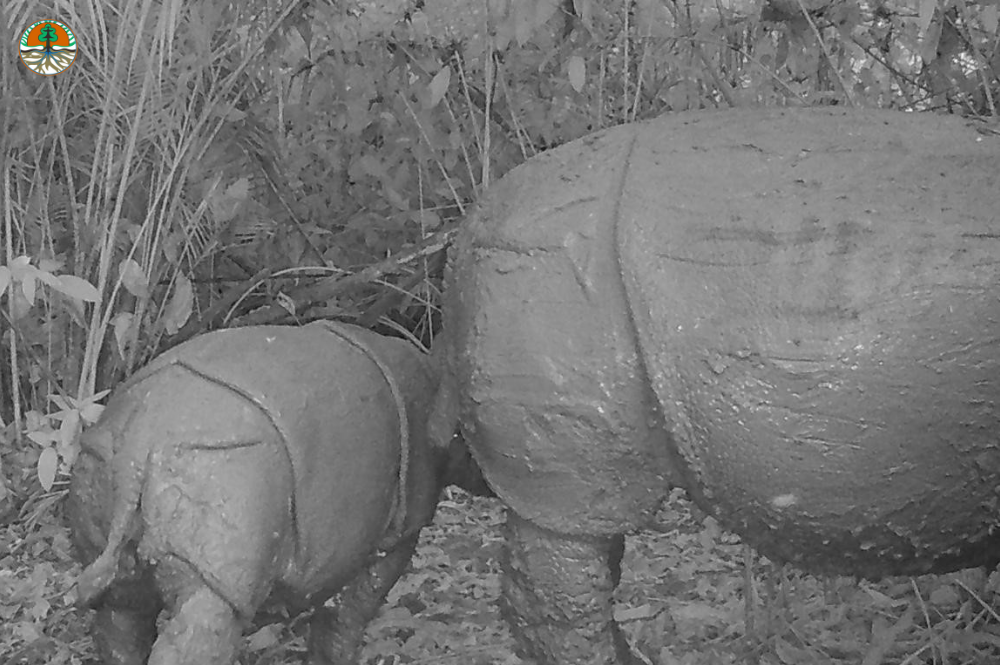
(251, 466)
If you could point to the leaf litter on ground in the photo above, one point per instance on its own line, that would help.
(682, 601)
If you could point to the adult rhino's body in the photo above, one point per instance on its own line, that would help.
(794, 314)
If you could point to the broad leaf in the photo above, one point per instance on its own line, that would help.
(577, 70)
(133, 278)
(439, 85)
(48, 463)
(77, 287)
(122, 324)
(180, 306)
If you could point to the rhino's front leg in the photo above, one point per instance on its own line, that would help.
(336, 633)
(557, 595)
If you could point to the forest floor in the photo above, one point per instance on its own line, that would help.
(681, 602)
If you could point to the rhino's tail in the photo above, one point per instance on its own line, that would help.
(129, 465)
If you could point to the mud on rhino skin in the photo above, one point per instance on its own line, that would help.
(793, 314)
(254, 464)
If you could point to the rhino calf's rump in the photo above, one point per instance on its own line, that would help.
(249, 466)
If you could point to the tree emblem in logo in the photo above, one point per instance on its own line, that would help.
(48, 47)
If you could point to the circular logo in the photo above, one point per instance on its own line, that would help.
(48, 47)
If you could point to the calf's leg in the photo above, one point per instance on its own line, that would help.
(124, 626)
(557, 595)
(202, 628)
(336, 633)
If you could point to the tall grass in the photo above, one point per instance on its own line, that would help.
(101, 177)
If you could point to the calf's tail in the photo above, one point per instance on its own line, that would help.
(129, 473)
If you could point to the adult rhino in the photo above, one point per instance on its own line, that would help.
(793, 314)
(252, 466)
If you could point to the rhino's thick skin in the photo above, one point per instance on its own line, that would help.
(254, 464)
(794, 314)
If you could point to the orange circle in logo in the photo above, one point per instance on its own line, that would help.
(48, 47)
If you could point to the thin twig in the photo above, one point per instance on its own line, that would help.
(826, 54)
(325, 289)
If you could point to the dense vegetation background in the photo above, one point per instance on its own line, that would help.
(207, 164)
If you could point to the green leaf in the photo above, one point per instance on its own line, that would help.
(133, 278)
(48, 463)
(577, 70)
(76, 287)
(122, 324)
(43, 438)
(180, 306)
(286, 303)
(20, 264)
(64, 403)
(926, 15)
(91, 412)
(225, 205)
(439, 85)
(50, 266)
(264, 638)
(69, 428)
(990, 17)
(28, 287)
(46, 277)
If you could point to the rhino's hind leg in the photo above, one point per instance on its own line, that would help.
(124, 626)
(336, 633)
(557, 595)
(201, 629)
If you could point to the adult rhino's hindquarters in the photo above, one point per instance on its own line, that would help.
(253, 464)
(794, 314)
